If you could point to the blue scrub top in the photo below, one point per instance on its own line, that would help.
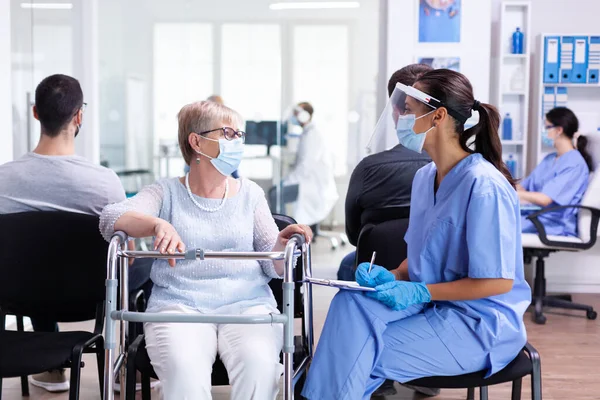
(564, 179)
(470, 228)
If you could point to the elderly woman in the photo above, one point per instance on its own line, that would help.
(210, 210)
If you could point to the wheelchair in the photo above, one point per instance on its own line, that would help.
(123, 360)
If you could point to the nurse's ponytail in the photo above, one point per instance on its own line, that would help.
(455, 92)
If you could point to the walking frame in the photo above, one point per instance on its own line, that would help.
(118, 256)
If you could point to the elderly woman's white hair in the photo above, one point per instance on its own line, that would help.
(204, 116)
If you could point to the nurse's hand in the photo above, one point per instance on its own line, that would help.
(377, 276)
(400, 295)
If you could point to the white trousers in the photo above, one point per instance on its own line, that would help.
(183, 355)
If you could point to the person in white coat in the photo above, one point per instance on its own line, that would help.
(312, 171)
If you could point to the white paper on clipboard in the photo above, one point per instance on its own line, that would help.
(344, 285)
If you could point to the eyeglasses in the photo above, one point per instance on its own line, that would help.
(549, 127)
(228, 133)
(82, 109)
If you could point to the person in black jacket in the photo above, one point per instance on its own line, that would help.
(381, 180)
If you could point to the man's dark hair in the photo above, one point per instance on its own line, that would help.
(407, 75)
(57, 100)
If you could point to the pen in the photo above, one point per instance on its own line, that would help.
(372, 261)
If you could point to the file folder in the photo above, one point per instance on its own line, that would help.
(567, 49)
(580, 55)
(548, 100)
(551, 54)
(561, 97)
(594, 60)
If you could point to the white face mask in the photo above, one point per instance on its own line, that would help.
(230, 155)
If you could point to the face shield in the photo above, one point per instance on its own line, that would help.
(399, 121)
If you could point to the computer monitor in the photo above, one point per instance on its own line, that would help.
(265, 133)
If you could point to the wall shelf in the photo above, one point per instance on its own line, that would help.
(511, 91)
(516, 56)
(582, 98)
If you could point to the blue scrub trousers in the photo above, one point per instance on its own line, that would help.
(364, 342)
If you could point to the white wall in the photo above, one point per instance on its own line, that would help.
(6, 128)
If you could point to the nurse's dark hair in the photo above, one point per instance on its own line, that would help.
(455, 92)
(566, 119)
(407, 76)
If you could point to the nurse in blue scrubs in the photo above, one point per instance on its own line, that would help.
(561, 178)
(456, 304)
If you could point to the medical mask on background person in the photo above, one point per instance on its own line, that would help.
(406, 134)
(294, 121)
(546, 139)
(230, 155)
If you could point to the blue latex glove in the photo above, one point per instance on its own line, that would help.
(377, 276)
(400, 295)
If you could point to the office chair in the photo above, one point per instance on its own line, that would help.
(138, 359)
(386, 237)
(540, 245)
(53, 266)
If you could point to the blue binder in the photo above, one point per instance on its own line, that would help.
(580, 60)
(594, 60)
(567, 51)
(548, 100)
(551, 54)
(562, 97)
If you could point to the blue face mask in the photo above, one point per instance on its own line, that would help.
(230, 155)
(294, 120)
(406, 134)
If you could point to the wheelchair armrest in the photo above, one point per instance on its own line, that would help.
(555, 243)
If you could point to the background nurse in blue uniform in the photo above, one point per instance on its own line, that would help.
(561, 178)
(456, 304)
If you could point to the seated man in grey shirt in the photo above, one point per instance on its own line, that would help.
(53, 178)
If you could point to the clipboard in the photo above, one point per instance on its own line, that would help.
(344, 285)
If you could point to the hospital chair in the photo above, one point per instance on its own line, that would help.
(540, 245)
(137, 357)
(386, 237)
(53, 266)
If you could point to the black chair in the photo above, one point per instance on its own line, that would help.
(138, 359)
(526, 363)
(383, 231)
(541, 245)
(386, 237)
(53, 265)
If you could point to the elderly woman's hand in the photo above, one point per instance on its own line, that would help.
(167, 239)
(291, 230)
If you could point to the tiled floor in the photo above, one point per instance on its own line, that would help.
(568, 346)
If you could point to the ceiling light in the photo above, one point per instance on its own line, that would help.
(47, 6)
(314, 5)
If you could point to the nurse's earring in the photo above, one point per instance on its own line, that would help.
(197, 160)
